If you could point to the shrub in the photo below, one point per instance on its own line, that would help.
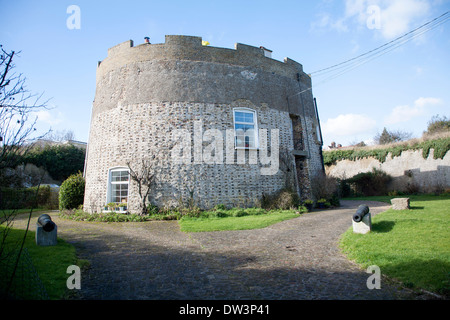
(220, 206)
(220, 214)
(71, 192)
(240, 213)
(372, 183)
(302, 209)
(22, 198)
(284, 199)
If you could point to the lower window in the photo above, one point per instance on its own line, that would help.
(118, 185)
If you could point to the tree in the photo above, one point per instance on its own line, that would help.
(59, 160)
(144, 177)
(391, 136)
(17, 106)
(438, 124)
(61, 136)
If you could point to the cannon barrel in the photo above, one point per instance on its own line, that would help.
(45, 221)
(360, 213)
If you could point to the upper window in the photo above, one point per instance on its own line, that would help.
(245, 128)
(118, 185)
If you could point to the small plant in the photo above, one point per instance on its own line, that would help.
(220, 214)
(323, 203)
(302, 209)
(308, 204)
(220, 206)
(240, 213)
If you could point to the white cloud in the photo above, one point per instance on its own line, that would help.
(49, 118)
(348, 124)
(406, 112)
(396, 16)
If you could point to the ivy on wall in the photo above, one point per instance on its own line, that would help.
(440, 146)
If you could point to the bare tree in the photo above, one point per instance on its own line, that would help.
(144, 177)
(17, 108)
(386, 136)
(61, 136)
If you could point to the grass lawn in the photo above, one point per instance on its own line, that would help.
(50, 262)
(189, 224)
(412, 246)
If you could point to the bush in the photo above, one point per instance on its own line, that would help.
(220, 214)
(24, 198)
(285, 199)
(372, 183)
(71, 192)
(239, 213)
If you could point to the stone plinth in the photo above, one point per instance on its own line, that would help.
(400, 203)
(44, 238)
(364, 226)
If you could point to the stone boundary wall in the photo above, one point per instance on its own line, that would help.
(410, 169)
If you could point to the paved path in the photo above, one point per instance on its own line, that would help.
(294, 259)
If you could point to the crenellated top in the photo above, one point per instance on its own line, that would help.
(179, 47)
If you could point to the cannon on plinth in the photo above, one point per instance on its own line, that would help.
(46, 231)
(362, 222)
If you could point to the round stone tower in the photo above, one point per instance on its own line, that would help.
(207, 125)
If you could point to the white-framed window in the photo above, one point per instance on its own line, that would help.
(245, 128)
(118, 184)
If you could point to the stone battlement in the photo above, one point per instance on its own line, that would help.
(190, 48)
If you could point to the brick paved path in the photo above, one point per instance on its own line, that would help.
(294, 259)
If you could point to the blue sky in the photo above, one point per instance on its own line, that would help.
(400, 90)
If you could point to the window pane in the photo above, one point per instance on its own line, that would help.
(239, 116)
(249, 117)
(119, 186)
(244, 127)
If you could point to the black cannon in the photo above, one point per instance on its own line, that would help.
(46, 222)
(360, 213)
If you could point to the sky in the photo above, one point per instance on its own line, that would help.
(400, 90)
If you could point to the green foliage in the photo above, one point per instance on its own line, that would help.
(80, 215)
(438, 124)
(71, 192)
(440, 146)
(284, 199)
(60, 161)
(220, 206)
(372, 183)
(21, 198)
(302, 209)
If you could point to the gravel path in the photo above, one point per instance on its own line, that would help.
(294, 259)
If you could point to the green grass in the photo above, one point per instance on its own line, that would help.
(230, 222)
(50, 262)
(19, 211)
(412, 246)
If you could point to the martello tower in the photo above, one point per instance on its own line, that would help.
(154, 101)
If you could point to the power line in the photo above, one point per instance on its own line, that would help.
(368, 56)
(386, 44)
